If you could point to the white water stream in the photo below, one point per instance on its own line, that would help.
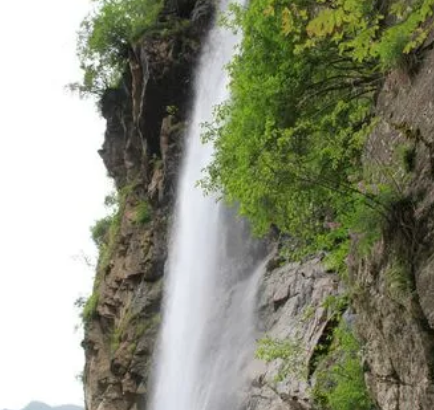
(208, 330)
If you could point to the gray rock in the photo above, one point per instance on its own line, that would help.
(290, 308)
(398, 327)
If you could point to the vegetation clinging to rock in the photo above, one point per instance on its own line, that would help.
(105, 37)
(340, 383)
(143, 212)
(338, 380)
(290, 351)
(89, 307)
(100, 230)
(289, 143)
(105, 230)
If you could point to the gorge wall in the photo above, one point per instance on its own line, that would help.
(392, 313)
(394, 283)
(146, 116)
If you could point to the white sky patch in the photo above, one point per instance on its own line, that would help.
(52, 186)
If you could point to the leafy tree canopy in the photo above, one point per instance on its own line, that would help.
(105, 37)
(289, 142)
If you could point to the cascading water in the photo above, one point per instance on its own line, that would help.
(214, 267)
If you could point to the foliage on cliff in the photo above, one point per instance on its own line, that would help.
(338, 379)
(105, 37)
(340, 383)
(289, 142)
(104, 233)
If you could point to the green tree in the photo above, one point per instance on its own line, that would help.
(105, 37)
(289, 143)
(292, 134)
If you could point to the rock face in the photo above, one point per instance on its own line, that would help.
(395, 283)
(145, 117)
(291, 307)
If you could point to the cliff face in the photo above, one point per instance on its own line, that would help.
(292, 308)
(392, 312)
(146, 116)
(395, 282)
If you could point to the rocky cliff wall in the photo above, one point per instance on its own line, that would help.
(292, 307)
(395, 282)
(146, 116)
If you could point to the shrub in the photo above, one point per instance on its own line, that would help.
(143, 213)
(341, 386)
(336, 305)
(398, 281)
(100, 230)
(106, 249)
(146, 324)
(106, 230)
(90, 307)
(288, 350)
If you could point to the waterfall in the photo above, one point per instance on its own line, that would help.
(208, 330)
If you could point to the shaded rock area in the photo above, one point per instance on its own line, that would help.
(146, 116)
(291, 307)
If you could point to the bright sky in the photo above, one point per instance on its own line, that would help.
(52, 185)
